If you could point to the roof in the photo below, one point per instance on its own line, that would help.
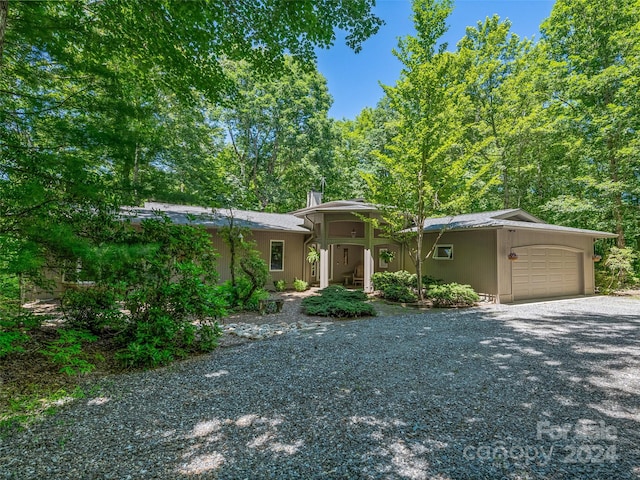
(498, 219)
(354, 205)
(217, 218)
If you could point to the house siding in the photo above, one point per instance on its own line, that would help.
(474, 259)
(294, 255)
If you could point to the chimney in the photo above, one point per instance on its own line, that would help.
(314, 199)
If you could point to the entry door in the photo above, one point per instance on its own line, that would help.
(546, 272)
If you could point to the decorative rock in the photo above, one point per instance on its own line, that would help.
(260, 332)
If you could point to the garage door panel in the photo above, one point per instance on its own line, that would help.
(546, 272)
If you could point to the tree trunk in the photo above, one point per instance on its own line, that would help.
(4, 13)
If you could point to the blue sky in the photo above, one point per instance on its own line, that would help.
(353, 79)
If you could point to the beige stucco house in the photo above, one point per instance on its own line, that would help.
(506, 255)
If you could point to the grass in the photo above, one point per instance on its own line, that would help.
(22, 410)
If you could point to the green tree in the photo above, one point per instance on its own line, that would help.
(593, 51)
(91, 93)
(360, 141)
(489, 55)
(280, 136)
(424, 170)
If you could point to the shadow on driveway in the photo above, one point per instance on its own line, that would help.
(529, 391)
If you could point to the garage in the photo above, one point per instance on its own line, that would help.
(546, 272)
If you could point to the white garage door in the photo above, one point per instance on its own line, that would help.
(546, 272)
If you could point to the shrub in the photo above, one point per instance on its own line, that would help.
(253, 275)
(399, 293)
(67, 351)
(619, 265)
(92, 308)
(383, 280)
(300, 285)
(9, 295)
(336, 301)
(11, 341)
(163, 277)
(280, 285)
(452, 295)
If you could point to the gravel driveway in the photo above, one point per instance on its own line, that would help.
(548, 390)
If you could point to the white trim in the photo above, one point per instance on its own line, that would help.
(271, 242)
(548, 246)
(443, 245)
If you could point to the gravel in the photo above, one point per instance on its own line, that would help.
(546, 390)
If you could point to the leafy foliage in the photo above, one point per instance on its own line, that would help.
(383, 280)
(92, 308)
(15, 323)
(67, 351)
(280, 285)
(399, 293)
(619, 265)
(452, 295)
(338, 302)
(300, 285)
(400, 286)
(156, 289)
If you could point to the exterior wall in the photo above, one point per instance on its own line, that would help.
(344, 264)
(56, 287)
(473, 263)
(392, 266)
(295, 256)
(513, 239)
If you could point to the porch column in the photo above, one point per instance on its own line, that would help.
(324, 266)
(368, 270)
(324, 252)
(369, 266)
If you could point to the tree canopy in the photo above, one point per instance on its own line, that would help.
(109, 102)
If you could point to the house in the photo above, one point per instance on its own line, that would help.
(512, 255)
(506, 255)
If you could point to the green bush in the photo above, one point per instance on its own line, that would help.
(14, 331)
(396, 284)
(452, 295)
(157, 289)
(619, 268)
(300, 285)
(67, 351)
(92, 308)
(280, 285)
(399, 293)
(336, 301)
(383, 280)
(9, 295)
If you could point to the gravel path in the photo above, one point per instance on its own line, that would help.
(545, 390)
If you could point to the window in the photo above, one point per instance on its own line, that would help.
(443, 252)
(276, 262)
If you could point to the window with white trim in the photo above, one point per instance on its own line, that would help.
(443, 252)
(276, 258)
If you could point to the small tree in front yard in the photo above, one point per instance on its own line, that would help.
(619, 265)
(249, 272)
(423, 168)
